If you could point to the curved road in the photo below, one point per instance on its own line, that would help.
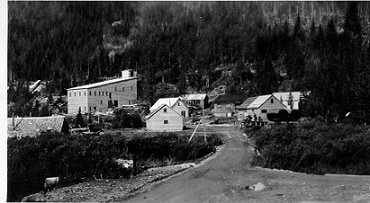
(224, 178)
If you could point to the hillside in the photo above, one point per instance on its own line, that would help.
(269, 46)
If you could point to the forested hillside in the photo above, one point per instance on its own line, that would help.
(268, 46)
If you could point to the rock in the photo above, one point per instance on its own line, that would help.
(38, 197)
(256, 187)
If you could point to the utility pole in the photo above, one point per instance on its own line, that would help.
(204, 127)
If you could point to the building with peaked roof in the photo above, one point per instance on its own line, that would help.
(224, 105)
(33, 126)
(103, 95)
(164, 118)
(196, 100)
(175, 103)
(260, 106)
(284, 98)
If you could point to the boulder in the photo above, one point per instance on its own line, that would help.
(256, 187)
(38, 197)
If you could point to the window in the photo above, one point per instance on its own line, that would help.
(106, 93)
(94, 108)
(70, 94)
(115, 103)
(79, 93)
(90, 108)
(75, 93)
(178, 103)
(85, 94)
(102, 93)
(123, 89)
(90, 93)
(183, 113)
(101, 102)
(165, 122)
(165, 110)
(94, 93)
(85, 108)
(263, 111)
(99, 93)
(272, 101)
(131, 88)
(115, 89)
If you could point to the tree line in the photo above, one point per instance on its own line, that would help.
(182, 43)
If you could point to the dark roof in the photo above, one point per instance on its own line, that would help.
(236, 99)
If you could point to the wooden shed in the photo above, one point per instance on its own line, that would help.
(224, 105)
(164, 118)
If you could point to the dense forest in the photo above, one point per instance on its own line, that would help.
(320, 47)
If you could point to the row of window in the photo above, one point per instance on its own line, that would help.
(100, 93)
(115, 103)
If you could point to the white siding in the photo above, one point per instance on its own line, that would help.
(270, 107)
(125, 92)
(75, 101)
(156, 122)
(179, 107)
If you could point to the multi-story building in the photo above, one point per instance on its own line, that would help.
(103, 95)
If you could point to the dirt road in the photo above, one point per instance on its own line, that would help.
(224, 179)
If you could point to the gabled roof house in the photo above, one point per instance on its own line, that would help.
(175, 103)
(164, 118)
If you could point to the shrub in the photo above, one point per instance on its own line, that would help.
(283, 115)
(31, 160)
(313, 146)
(273, 117)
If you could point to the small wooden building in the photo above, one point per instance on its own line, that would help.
(224, 105)
(200, 100)
(260, 106)
(164, 118)
(175, 103)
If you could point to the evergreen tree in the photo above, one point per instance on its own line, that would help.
(79, 119)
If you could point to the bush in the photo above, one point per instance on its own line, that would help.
(313, 146)
(31, 160)
(169, 146)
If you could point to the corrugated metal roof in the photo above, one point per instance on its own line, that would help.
(98, 84)
(246, 103)
(259, 101)
(32, 126)
(195, 96)
(168, 101)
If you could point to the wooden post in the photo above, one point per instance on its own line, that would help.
(204, 127)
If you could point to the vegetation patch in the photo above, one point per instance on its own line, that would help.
(80, 158)
(313, 146)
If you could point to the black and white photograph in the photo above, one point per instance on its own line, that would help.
(186, 101)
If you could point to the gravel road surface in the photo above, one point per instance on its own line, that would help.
(226, 177)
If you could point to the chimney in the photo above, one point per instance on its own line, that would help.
(129, 73)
